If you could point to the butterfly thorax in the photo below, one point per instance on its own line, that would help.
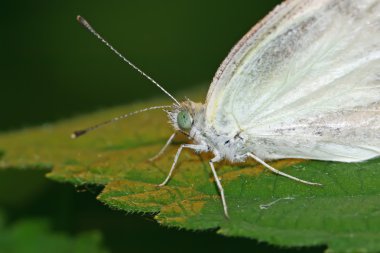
(189, 118)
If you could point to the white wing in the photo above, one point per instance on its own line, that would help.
(305, 82)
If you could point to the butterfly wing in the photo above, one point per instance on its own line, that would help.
(307, 76)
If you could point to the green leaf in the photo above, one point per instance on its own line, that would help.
(35, 235)
(343, 214)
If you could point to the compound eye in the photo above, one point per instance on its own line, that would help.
(184, 120)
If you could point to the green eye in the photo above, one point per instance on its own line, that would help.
(184, 120)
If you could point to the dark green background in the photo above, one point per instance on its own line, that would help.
(53, 69)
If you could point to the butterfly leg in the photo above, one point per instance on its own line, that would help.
(190, 146)
(279, 172)
(217, 181)
(163, 148)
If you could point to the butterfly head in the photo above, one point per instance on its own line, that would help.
(185, 116)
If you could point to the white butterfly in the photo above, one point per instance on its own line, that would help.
(303, 83)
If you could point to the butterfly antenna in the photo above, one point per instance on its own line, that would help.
(84, 22)
(79, 133)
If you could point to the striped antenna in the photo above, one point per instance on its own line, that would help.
(79, 133)
(84, 22)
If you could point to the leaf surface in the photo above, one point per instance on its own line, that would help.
(343, 214)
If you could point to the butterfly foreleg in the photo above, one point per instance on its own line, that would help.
(190, 146)
(163, 149)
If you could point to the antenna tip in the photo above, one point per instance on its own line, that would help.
(77, 134)
(79, 18)
(82, 21)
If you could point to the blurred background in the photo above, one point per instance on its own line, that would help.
(51, 68)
